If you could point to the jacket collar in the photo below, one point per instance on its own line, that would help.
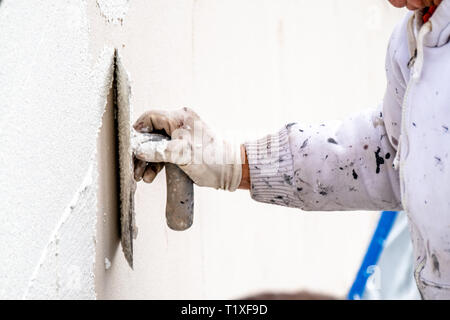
(440, 21)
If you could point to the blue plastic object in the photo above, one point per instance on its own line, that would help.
(373, 253)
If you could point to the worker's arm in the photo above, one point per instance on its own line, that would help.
(330, 166)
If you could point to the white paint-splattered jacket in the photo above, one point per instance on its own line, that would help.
(350, 165)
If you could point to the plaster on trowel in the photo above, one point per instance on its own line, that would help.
(180, 190)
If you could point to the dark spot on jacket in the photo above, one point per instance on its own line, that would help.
(304, 144)
(341, 168)
(438, 160)
(182, 202)
(287, 178)
(299, 189)
(366, 146)
(324, 190)
(445, 128)
(379, 160)
(289, 125)
(279, 197)
(355, 175)
(300, 130)
(435, 264)
(414, 124)
(331, 140)
(387, 156)
(271, 200)
(381, 114)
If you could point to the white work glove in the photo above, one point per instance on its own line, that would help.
(207, 159)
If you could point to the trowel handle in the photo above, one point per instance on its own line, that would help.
(180, 198)
(180, 189)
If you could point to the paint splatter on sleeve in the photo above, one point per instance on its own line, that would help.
(327, 167)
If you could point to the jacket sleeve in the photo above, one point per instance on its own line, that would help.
(327, 167)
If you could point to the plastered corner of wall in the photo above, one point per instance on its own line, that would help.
(114, 11)
(65, 269)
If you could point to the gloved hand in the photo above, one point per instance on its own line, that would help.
(206, 158)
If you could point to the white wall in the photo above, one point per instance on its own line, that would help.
(52, 95)
(247, 67)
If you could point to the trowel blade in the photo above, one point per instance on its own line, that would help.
(127, 184)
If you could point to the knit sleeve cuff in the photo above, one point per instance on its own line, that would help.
(271, 169)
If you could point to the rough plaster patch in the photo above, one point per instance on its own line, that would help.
(113, 10)
(65, 268)
(70, 278)
(52, 101)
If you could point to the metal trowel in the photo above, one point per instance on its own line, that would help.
(180, 190)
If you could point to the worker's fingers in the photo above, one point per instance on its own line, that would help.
(152, 171)
(139, 168)
(157, 167)
(152, 151)
(176, 151)
(149, 175)
(154, 120)
(169, 121)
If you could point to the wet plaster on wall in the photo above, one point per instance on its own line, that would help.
(53, 98)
